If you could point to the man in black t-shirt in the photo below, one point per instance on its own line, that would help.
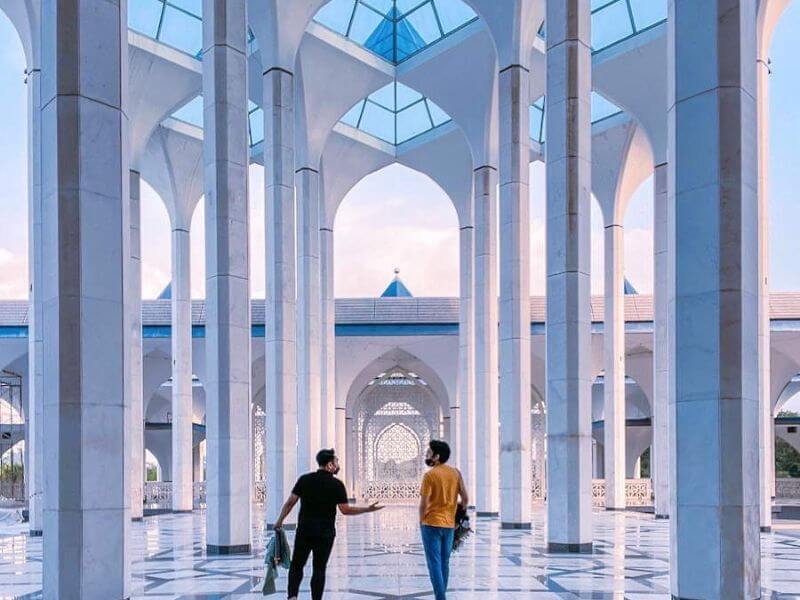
(319, 494)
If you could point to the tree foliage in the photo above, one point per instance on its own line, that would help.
(787, 459)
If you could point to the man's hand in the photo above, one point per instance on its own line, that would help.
(348, 510)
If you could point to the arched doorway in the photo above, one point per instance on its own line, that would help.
(395, 418)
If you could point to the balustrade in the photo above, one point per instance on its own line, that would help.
(638, 492)
(787, 489)
(160, 493)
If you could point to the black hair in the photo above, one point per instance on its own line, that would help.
(441, 448)
(325, 456)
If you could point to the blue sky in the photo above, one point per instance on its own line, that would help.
(399, 218)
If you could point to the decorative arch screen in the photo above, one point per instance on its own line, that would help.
(396, 418)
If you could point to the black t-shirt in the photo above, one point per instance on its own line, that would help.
(320, 492)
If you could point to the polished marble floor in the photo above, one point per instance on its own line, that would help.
(380, 557)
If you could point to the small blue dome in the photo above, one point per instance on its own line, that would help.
(396, 289)
(629, 289)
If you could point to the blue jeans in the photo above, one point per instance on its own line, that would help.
(438, 542)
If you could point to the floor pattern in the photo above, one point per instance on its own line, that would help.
(379, 557)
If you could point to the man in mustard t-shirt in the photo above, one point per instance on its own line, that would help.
(442, 491)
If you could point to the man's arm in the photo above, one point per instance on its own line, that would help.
(423, 506)
(424, 497)
(351, 511)
(286, 509)
(462, 492)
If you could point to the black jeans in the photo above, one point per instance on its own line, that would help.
(305, 544)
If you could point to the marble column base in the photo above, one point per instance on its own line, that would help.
(223, 550)
(557, 548)
(515, 525)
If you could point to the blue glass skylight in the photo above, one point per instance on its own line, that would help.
(602, 108)
(395, 29)
(177, 23)
(614, 21)
(191, 112)
(395, 114)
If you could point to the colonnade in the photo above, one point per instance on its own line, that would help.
(707, 293)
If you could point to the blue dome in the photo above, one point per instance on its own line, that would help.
(396, 289)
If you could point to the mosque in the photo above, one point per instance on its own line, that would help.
(615, 446)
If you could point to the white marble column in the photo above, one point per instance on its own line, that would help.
(664, 290)
(181, 369)
(568, 371)
(487, 416)
(134, 302)
(85, 258)
(766, 419)
(614, 361)
(351, 479)
(228, 363)
(280, 308)
(515, 322)
(309, 323)
(34, 439)
(329, 428)
(465, 420)
(713, 167)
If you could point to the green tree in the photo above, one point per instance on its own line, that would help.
(14, 473)
(787, 459)
(644, 464)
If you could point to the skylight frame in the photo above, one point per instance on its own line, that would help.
(396, 140)
(166, 7)
(632, 14)
(396, 19)
(538, 114)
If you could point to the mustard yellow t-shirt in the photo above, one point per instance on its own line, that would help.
(440, 485)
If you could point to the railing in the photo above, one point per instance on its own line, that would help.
(391, 491)
(160, 493)
(538, 489)
(260, 492)
(788, 489)
(12, 492)
(199, 493)
(638, 492)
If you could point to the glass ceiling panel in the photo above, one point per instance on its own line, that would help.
(191, 112)
(614, 21)
(395, 29)
(602, 108)
(177, 23)
(395, 114)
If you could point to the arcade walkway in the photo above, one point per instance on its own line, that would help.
(380, 557)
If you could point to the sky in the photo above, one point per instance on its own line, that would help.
(398, 218)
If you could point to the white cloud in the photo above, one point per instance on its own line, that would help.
(13, 274)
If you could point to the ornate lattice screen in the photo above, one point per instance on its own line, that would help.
(397, 416)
